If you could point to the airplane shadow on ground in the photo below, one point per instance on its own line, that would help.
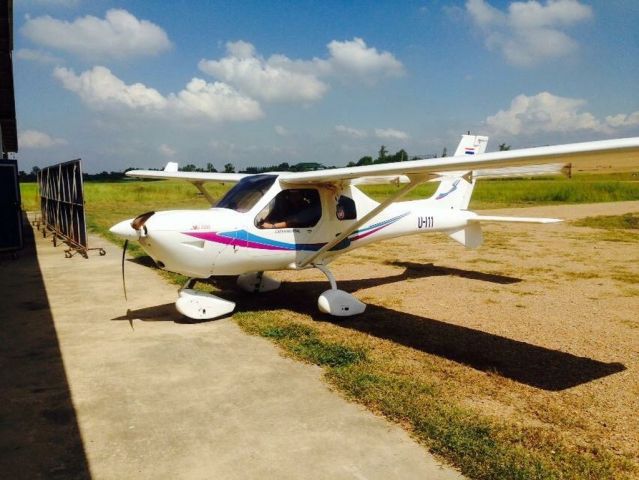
(522, 362)
(39, 433)
(157, 313)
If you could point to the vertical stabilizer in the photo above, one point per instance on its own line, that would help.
(456, 188)
(471, 145)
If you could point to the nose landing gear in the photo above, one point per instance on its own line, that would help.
(201, 305)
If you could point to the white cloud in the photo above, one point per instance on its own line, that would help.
(38, 140)
(99, 88)
(350, 131)
(240, 49)
(381, 133)
(281, 131)
(280, 79)
(261, 78)
(391, 134)
(102, 90)
(39, 56)
(356, 59)
(529, 32)
(622, 120)
(548, 113)
(118, 35)
(217, 101)
(167, 151)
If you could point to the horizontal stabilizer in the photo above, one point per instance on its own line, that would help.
(496, 218)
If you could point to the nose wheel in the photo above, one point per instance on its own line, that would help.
(338, 302)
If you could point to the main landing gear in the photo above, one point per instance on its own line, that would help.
(338, 302)
(205, 306)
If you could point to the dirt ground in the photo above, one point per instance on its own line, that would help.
(540, 325)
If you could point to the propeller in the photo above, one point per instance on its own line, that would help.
(126, 244)
(137, 224)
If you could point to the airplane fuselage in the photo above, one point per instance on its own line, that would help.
(222, 241)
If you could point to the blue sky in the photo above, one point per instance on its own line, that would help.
(136, 83)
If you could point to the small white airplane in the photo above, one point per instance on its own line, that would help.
(297, 220)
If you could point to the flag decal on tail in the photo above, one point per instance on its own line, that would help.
(469, 151)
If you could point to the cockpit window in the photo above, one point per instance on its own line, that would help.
(345, 209)
(292, 208)
(246, 193)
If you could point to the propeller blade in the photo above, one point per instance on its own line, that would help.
(126, 244)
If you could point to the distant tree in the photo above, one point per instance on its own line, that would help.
(364, 161)
(283, 167)
(229, 168)
(503, 147)
(210, 167)
(189, 168)
(445, 152)
(382, 154)
(351, 164)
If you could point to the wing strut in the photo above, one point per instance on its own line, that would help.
(200, 186)
(415, 181)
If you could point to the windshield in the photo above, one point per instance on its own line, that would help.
(246, 193)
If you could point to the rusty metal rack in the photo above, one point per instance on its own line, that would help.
(62, 207)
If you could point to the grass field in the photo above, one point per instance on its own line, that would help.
(417, 391)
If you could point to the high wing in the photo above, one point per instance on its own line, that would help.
(199, 177)
(196, 178)
(581, 155)
(420, 171)
(503, 172)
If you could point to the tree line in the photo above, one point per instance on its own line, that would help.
(383, 156)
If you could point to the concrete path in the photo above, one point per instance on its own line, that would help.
(88, 393)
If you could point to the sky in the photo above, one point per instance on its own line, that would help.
(139, 83)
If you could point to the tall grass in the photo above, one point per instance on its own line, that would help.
(538, 191)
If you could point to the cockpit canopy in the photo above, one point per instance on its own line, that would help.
(246, 193)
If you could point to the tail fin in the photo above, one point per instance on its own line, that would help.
(456, 188)
(471, 145)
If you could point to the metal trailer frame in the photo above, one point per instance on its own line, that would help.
(62, 206)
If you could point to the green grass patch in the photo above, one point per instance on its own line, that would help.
(629, 221)
(303, 342)
(482, 447)
(613, 228)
